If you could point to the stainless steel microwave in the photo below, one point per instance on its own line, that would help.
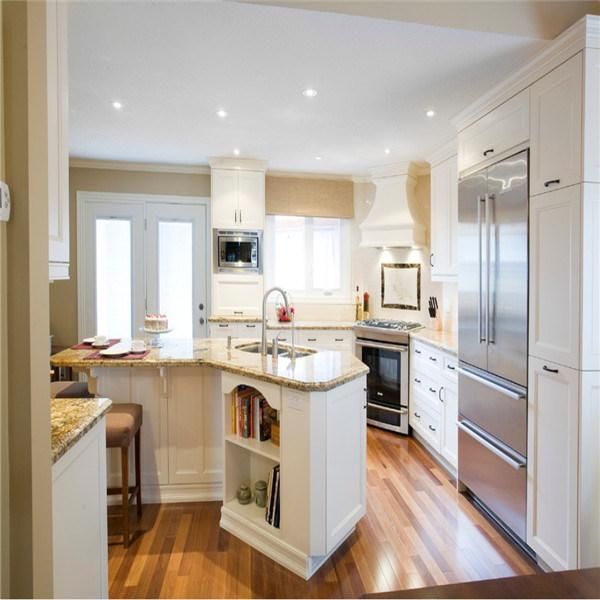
(237, 251)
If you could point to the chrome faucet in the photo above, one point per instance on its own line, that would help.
(263, 344)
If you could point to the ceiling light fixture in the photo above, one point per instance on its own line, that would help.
(317, 158)
(309, 93)
(236, 151)
(117, 105)
(221, 113)
(430, 113)
(387, 150)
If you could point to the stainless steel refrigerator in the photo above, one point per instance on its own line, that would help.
(493, 320)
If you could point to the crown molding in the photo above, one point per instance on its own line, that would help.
(310, 175)
(117, 165)
(566, 45)
(592, 38)
(443, 152)
(243, 164)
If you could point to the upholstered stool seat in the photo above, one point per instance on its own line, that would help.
(123, 425)
(70, 389)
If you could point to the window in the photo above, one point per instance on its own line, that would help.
(309, 256)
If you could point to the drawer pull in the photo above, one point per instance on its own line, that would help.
(451, 367)
(432, 428)
(339, 339)
(488, 151)
(546, 368)
(251, 326)
(380, 394)
(226, 325)
(417, 415)
(432, 390)
(417, 351)
(433, 358)
(311, 339)
(238, 312)
(440, 395)
(417, 380)
(551, 182)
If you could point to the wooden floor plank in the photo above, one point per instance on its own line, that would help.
(418, 531)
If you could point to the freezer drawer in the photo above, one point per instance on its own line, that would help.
(497, 480)
(499, 410)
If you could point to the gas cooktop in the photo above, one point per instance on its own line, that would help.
(385, 330)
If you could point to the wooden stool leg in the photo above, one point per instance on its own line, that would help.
(125, 493)
(138, 473)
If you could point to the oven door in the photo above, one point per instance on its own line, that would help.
(387, 384)
(238, 252)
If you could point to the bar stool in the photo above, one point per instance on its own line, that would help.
(123, 423)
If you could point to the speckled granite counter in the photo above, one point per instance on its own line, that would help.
(71, 419)
(273, 324)
(322, 371)
(444, 340)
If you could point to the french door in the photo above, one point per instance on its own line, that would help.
(141, 255)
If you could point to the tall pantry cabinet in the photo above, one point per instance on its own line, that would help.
(563, 454)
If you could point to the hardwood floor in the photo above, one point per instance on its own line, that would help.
(418, 532)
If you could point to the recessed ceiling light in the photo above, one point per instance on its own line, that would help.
(236, 151)
(309, 92)
(221, 113)
(317, 158)
(430, 113)
(117, 105)
(387, 150)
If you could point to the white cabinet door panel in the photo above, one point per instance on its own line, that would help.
(556, 128)
(449, 430)
(591, 122)
(552, 463)
(251, 199)
(554, 271)
(237, 294)
(224, 201)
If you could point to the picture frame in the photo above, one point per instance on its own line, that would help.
(401, 286)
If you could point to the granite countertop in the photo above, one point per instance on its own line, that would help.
(321, 371)
(71, 419)
(273, 324)
(445, 340)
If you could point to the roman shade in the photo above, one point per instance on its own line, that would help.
(303, 197)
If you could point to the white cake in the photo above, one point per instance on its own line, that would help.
(156, 322)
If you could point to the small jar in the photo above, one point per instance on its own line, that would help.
(244, 495)
(260, 493)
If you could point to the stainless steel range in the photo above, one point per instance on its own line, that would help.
(383, 346)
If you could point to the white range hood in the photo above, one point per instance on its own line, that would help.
(391, 223)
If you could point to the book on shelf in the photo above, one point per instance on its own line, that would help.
(273, 494)
(251, 415)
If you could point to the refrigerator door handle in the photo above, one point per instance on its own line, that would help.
(487, 268)
(490, 225)
(513, 395)
(489, 446)
(480, 201)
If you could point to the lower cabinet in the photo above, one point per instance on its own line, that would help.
(80, 544)
(235, 330)
(552, 463)
(237, 295)
(434, 400)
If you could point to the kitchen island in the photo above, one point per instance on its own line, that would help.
(190, 451)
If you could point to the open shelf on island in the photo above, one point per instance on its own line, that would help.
(267, 448)
(252, 513)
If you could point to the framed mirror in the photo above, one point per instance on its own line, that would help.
(401, 286)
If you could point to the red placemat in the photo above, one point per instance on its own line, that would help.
(130, 356)
(83, 346)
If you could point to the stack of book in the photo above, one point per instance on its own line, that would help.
(273, 493)
(251, 415)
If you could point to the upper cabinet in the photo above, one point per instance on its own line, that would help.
(444, 220)
(556, 133)
(58, 141)
(238, 198)
(500, 130)
(591, 121)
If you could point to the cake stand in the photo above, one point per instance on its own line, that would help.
(154, 335)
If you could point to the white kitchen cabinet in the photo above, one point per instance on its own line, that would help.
(444, 220)
(80, 537)
(552, 463)
(556, 128)
(591, 123)
(325, 339)
(434, 400)
(554, 276)
(237, 295)
(237, 199)
(58, 140)
(500, 130)
(236, 330)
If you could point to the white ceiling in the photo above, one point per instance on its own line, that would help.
(173, 64)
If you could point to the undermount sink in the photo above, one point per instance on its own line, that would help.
(283, 350)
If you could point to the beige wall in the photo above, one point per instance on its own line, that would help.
(63, 294)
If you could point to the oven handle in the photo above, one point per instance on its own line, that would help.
(381, 346)
(398, 411)
(496, 451)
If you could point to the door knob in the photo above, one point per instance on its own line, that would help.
(201, 320)
(201, 306)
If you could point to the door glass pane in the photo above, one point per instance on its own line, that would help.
(113, 278)
(175, 276)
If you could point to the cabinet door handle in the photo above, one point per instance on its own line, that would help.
(417, 380)
(240, 215)
(451, 367)
(417, 351)
(546, 368)
(440, 394)
(433, 358)
(432, 390)
(431, 260)
(235, 214)
(488, 151)
(432, 428)
(417, 415)
(551, 182)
